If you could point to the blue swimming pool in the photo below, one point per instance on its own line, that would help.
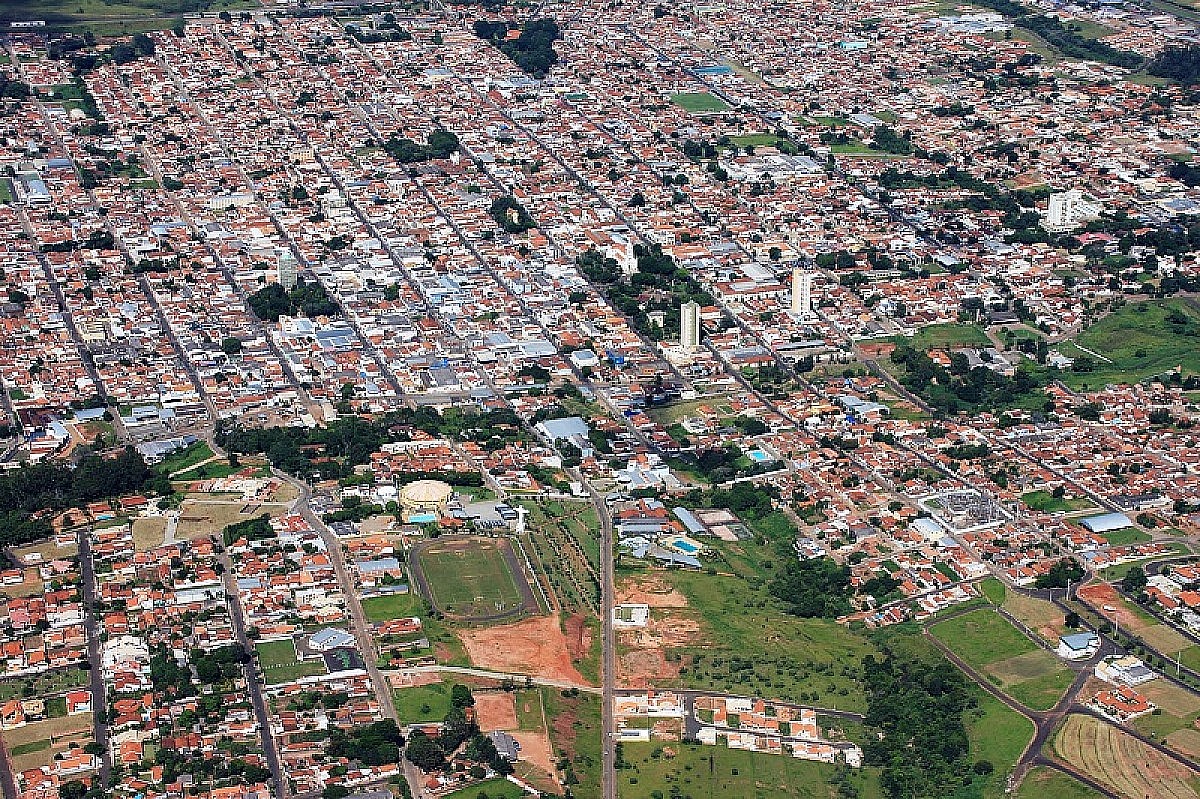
(422, 518)
(715, 69)
(686, 546)
(758, 456)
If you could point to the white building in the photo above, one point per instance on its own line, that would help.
(801, 292)
(1070, 209)
(689, 325)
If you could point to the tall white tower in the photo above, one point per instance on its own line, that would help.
(287, 269)
(689, 325)
(801, 292)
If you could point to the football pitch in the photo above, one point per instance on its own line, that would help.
(472, 577)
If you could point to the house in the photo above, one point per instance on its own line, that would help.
(1078, 646)
(79, 702)
(1125, 670)
(506, 746)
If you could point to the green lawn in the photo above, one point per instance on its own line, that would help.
(30, 748)
(1122, 538)
(987, 642)
(423, 702)
(6, 191)
(498, 788)
(279, 663)
(748, 645)
(185, 458)
(1119, 571)
(1140, 341)
(947, 336)
(392, 606)
(756, 140)
(993, 589)
(470, 578)
(1047, 783)
(999, 735)
(831, 122)
(1045, 502)
(699, 102)
(981, 638)
(716, 771)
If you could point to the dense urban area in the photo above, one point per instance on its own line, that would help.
(478, 400)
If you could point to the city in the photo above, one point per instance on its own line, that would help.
(481, 400)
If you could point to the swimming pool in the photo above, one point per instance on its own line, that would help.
(422, 518)
(686, 546)
(758, 456)
(715, 69)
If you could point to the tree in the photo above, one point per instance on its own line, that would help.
(231, 345)
(335, 792)
(1134, 581)
(817, 587)
(72, 790)
(460, 696)
(423, 752)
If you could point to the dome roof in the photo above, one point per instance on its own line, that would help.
(426, 491)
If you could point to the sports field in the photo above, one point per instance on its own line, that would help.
(470, 577)
(699, 102)
(989, 643)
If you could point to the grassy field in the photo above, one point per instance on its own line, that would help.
(756, 140)
(1045, 502)
(498, 788)
(1180, 710)
(1044, 617)
(1141, 341)
(72, 12)
(392, 606)
(994, 590)
(999, 735)
(184, 458)
(280, 665)
(947, 336)
(1120, 761)
(1130, 535)
(988, 643)
(1119, 571)
(1042, 782)
(423, 702)
(716, 771)
(747, 644)
(48, 684)
(50, 729)
(574, 719)
(699, 102)
(470, 578)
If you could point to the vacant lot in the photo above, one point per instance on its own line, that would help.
(1140, 340)
(280, 664)
(1043, 782)
(999, 735)
(469, 577)
(42, 685)
(392, 606)
(948, 336)
(1043, 617)
(1180, 710)
(699, 102)
(51, 729)
(1120, 761)
(422, 702)
(532, 646)
(1046, 502)
(715, 771)
(987, 642)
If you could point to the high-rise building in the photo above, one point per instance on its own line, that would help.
(689, 325)
(801, 292)
(1070, 209)
(287, 269)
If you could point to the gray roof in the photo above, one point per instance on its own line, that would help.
(1107, 522)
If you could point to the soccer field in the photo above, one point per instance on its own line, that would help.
(470, 577)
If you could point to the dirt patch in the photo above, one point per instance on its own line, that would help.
(496, 711)
(536, 754)
(642, 668)
(533, 646)
(651, 590)
(578, 639)
(1185, 741)
(412, 679)
(1117, 759)
(1104, 594)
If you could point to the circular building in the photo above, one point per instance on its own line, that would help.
(424, 500)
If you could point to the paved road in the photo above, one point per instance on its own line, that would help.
(250, 672)
(87, 575)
